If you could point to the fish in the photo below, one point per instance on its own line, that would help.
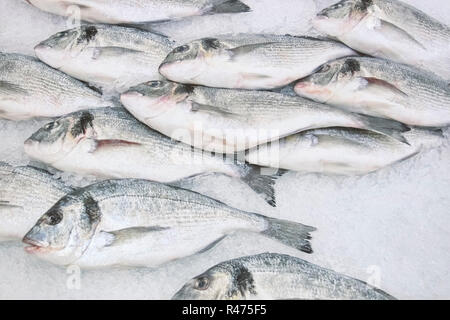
(381, 88)
(249, 61)
(274, 276)
(342, 151)
(138, 11)
(107, 56)
(134, 222)
(389, 29)
(30, 88)
(229, 120)
(26, 193)
(111, 143)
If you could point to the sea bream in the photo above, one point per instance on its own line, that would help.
(249, 61)
(142, 223)
(229, 120)
(389, 29)
(26, 193)
(111, 143)
(342, 151)
(30, 88)
(273, 276)
(381, 88)
(138, 11)
(109, 56)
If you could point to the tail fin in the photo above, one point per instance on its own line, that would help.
(229, 6)
(290, 233)
(388, 127)
(262, 184)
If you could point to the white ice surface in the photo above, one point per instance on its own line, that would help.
(391, 227)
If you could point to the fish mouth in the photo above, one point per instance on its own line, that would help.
(35, 246)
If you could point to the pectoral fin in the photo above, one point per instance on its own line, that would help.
(198, 107)
(11, 89)
(400, 34)
(243, 50)
(115, 238)
(103, 144)
(211, 245)
(105, 52)
(382, 85)
(8, 205)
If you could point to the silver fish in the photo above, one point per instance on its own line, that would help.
(143, 223)
(228, 121)
(342, 151)
(138, 11)
(381, 88)
(30, 88)
(26, 193)
(249, 61)
(389, 29)
(109, 56)
(111, 143)
(273, 276)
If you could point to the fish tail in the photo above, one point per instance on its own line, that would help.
(388, 127)
(261, 183)
(229, 6)
(290, 233)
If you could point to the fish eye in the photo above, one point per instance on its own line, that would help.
(202, 283)
(181, 49)
(325, 68)
(54, 218)
(154, 84)
(51, 126)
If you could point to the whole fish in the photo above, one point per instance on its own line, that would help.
(249, 61)
(30, 88)
(111, 143)
(26, 193)
(138, 11)
(109, 56)
(381, 88)
(143, 223)
(342, 151)
(273, 276)
(228, 121)
(389, 29)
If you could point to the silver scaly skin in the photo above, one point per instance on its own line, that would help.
(109, 56)
(26, 193)
(30, 88)
(249, 61)
(381, 88)
(143, 223)
(342, 151)
(111, 143)
(228, 120)
(139, 11)
(389, 29)
(272, 276)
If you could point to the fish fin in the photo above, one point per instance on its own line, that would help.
(118, 237)
(102, 144)
(371, 82)
(388, 127)
(211, 245)
(6, 204)
(245, 49)
(8, 88)
(112, 51)
(262, 184)
(198, 107)
(254, 76)
(147, 26)
(290, 233)
(229, 6)
(389, 28)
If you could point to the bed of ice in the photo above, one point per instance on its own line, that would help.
(390, 228)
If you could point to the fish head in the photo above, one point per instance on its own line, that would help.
(188, 61)
(64, 232)
(341, 17)
(60, 48)
(226, 281)
(55, 140)
(155, 98)
(329, 79)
